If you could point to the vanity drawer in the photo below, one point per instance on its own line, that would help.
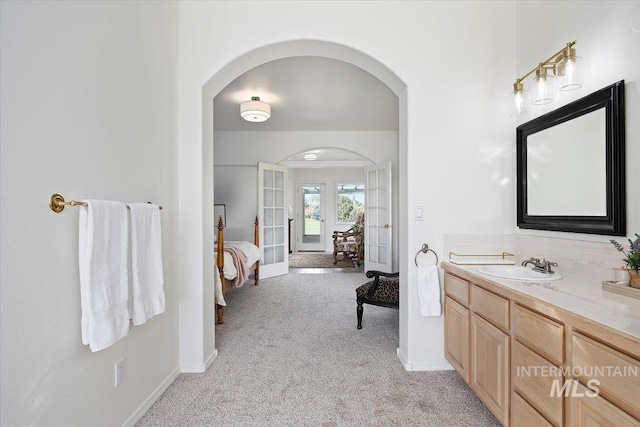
(457, 288)
(490, 306)
(539, 333)
(523, 414)
(533, 379)
(587, 355)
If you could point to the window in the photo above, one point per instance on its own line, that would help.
(350, 202)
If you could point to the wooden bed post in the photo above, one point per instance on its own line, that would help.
(256, 241)
(220, 265)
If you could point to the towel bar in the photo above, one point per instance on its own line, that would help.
(57, 203)
(425, 249)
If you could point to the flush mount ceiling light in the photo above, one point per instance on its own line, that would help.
(255, 110)
(310, 156)
(567, 73)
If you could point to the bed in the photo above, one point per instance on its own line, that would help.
(229, 256)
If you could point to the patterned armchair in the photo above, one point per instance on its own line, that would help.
(383, 291)
(350, 243)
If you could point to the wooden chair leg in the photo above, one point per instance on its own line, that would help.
(256, 275)
(220, 311)
(359, 311)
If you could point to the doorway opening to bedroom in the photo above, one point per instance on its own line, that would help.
(295, 128)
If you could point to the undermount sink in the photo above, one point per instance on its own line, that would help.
(515, 272)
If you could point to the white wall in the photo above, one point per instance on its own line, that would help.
(89, 109)
(612, 49)
(457, 161)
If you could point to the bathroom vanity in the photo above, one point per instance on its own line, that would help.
(561, 353)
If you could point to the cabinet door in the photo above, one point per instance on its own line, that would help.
(585, 411)
(489, 367)
(456, 337)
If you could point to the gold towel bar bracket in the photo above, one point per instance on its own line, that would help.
(57, 203)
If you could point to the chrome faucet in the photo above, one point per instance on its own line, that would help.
(543, 266)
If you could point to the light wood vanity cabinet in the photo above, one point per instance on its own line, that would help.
(499, 341)
(489, 368)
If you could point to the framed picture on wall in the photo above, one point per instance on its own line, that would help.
(220, 209)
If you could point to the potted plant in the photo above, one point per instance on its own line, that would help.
(632, 259)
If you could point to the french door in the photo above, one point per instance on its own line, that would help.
(377, 220)
(310, 211)
(274, 224)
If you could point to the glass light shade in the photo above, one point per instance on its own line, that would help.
(571, 73)
(255, 110)
(542, 89)
(517, 102)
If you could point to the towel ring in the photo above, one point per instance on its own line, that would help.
(425, 249)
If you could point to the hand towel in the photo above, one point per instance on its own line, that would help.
(429, 291)
(147, 277)
(240, 262)
(104, 273)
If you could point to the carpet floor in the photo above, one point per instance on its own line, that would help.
(318, 260)
(290, 355)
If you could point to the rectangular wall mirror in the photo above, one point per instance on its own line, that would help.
(571, 167)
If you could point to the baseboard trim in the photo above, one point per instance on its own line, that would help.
(133, 419)
(200, 367)
(423, 366)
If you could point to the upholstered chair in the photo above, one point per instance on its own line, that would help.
(383, 291)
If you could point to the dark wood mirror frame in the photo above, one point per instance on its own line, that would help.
(610, 98)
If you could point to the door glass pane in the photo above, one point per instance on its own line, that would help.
(382, 256)
(373, 253)
(279, 217)
(373, 235)
(279, 235)
(268, 255)
(382, 198)
(372, 217)
(268, 178)
(268, 216)
(279, 253)
(279, 198)
(268, 197)
(372, 198)
(279, 180)
(268, 236)
(382, 236)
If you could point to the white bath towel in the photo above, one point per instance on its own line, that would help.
(429, 291)
(104, 273)
(147, 278)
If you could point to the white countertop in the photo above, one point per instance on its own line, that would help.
(577, 295)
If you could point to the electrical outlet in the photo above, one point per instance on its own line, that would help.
(119, 372)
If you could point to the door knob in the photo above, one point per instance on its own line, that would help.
(387, 226)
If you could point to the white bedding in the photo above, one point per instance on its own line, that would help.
(251, 251)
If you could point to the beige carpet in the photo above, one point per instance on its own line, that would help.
(290, 355)
(317, 260)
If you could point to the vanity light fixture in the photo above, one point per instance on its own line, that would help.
(255, 110)
(567, 73)
(310, 156)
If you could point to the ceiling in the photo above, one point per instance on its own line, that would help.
(309, 93)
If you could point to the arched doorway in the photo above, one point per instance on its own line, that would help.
(197, 334)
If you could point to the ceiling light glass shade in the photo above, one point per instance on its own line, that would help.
(571, 72)
(542, 87)
(310, 156)
(255, 110)
(517, 100)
